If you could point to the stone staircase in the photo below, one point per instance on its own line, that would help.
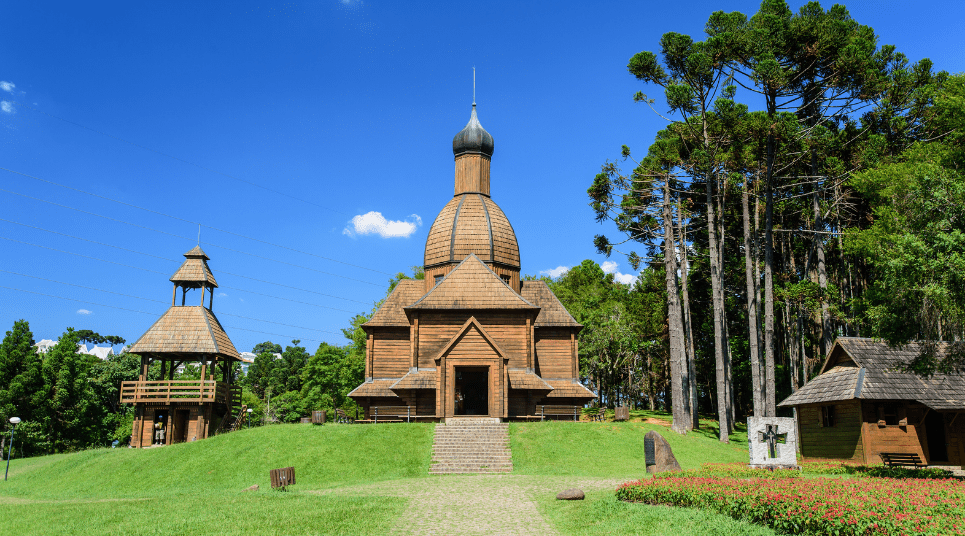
(471, 445)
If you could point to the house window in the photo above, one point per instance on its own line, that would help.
(505, 278)
(888, 415)
(827, 416)
(438, 278)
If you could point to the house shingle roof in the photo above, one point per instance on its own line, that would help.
(869, 367)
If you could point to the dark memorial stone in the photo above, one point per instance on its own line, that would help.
(663, 458)
(572, 494)
(648, 450)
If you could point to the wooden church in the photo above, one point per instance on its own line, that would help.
(173, 411)
(471, 339)
(861, 406)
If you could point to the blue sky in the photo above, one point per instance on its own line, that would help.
(125, 125)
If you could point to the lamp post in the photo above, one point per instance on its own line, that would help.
(14, 421)
(249, 418)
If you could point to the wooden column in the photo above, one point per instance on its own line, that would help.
(168, 435)
(529, 344)
(575, 355)
(174, 295)
(211, 300)
(415, 342)
(202, 294)
(368, 357)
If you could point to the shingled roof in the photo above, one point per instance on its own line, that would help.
(421, 379)
(375, 388)
(391, 312)
(860, 368)
(472, 285)
(194, 270)
(186, 330)
(568, 389)
(522, 379)
(552, 313)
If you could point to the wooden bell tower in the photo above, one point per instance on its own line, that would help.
(171, 411)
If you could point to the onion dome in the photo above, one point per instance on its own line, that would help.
(471, 223)
(473, 139)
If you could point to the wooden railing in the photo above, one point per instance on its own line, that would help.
(170, 391)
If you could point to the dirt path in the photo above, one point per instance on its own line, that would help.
(476, 504)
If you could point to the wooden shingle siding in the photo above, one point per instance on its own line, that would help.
(390, 353)
(553, 353)
(472, 174)
(437, 329)
(842, 441)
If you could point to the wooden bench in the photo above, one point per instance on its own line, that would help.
(342, 417)
(901, 459)
(599, 416)
(545, 411)
(387, 412)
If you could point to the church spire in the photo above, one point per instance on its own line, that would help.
(473, 149)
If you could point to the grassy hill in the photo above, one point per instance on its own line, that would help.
(197, 487)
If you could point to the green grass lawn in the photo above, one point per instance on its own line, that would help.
(342, 473)
(196, 488)
(612, 449)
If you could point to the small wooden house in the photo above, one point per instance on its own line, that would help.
(184, 410)
(860, 406)
(472, 339)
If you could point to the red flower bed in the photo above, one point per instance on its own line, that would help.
(817, 505)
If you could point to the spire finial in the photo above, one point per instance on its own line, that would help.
(473, 85)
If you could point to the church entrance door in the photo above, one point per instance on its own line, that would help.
(472, 391)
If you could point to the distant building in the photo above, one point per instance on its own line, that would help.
(101, 352)
(247, 358)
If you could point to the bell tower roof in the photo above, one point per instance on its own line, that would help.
(194, 272)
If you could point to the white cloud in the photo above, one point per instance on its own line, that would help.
(375, 223)
(555, 272)
(610, 267)
(6, 106)
(222, 294)
(84, 312)
(7, 86)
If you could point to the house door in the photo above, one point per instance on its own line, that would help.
(935, 433)
(180, 431)
(472, 391)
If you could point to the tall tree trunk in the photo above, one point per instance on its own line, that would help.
(770, 407)
(723, 415)
(679, 372)
(821, 267)
(752, 323)
(688, 329)
(728, 369)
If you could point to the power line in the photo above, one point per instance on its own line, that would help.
(86, 240)
(183, 238)
(162, 273)
(79, 255)
(155, 151)
(155, 314)
(189, 221)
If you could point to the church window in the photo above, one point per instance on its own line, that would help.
(438, 278)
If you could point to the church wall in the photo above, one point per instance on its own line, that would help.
(554, 355)
(437, 329)
(390, 352)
